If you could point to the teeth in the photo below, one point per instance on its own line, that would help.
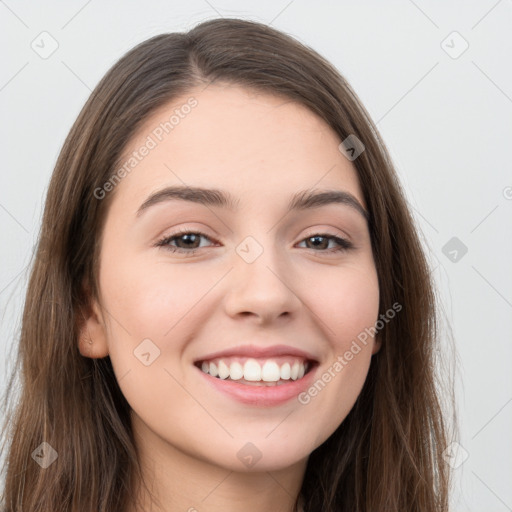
(293, 374)
(253, 372)
(270, 372)
(223, 370)
(236, 371)
(213, 370)
(285, 371)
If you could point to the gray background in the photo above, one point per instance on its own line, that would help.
(445, 114)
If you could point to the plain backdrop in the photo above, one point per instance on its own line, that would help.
(437, 79)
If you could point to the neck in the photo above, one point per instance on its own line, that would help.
(178, 481)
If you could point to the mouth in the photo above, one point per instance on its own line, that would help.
(252, 371)
(258, 382)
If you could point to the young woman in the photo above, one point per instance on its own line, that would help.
(230, 307)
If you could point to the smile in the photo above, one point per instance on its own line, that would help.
(258, 382)
(252, 371)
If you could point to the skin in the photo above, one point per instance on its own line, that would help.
(260, 148)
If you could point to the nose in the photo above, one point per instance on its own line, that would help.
(264, 289)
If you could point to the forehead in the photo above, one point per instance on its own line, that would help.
(255, 145)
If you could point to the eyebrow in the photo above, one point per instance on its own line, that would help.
(302, 200)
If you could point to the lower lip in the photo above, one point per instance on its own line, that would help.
(263, 396)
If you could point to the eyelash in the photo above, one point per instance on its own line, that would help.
(343, 244)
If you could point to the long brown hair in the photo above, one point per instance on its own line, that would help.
(385, 456)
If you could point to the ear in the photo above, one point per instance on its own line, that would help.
(377, 343)
(92, 338)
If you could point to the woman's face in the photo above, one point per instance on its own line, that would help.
(270, 284)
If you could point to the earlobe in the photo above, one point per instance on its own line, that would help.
(377, 343)
(92, 339)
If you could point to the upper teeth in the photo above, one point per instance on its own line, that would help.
(251, 370)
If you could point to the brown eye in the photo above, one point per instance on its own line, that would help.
(320, 243)
(186, 241)
(190, 240)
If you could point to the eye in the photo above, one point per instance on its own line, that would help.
(190, 239)
(187, 242)
(318, 240)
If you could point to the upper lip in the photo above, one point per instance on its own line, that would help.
(257, 351)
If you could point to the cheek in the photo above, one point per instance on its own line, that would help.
(346, 300)
(351, 313)
(149, 300)
(151, 312)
